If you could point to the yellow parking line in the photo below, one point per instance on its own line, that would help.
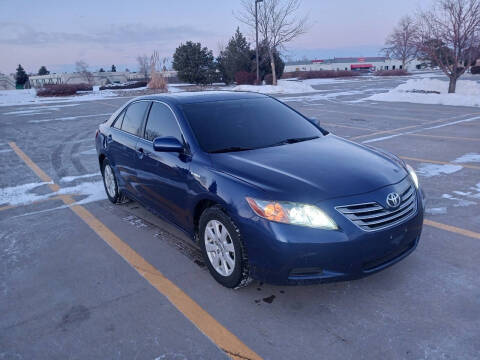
(440, 162)
(6, 207)
(206, 323)
(453, 229)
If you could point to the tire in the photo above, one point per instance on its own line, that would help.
(214, 221)
(111, 188)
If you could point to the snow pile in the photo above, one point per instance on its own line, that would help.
(433, 91)
(29, 96)
(283, 87)
(13, 97)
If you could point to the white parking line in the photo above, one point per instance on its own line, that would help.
(419, 130)
(68, 118)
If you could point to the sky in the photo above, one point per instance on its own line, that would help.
(59, 33)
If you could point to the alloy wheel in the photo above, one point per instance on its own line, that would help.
(219, 247)
(109, 180)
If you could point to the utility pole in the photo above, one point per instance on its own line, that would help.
(256, 39)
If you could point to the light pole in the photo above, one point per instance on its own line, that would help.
(256, 39)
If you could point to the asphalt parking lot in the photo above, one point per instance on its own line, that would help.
(81, 278)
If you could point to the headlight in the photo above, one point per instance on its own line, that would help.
(292, 213)
(413, 175)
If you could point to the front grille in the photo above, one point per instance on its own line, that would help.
(373, 216)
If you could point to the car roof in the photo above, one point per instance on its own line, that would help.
(201, 96)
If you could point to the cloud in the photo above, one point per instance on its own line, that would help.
(22, 34)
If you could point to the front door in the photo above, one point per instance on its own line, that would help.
(163, 176)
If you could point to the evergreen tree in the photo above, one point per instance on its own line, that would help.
(21, 76)
(114, 69)
(194, 64)
(101, 70)
(43, 71)
(235, 57)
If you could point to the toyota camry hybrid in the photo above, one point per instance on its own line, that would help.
(265, 192)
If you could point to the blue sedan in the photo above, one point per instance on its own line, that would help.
(265, 192)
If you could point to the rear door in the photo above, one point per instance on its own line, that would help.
(122, 142)
(163, 175)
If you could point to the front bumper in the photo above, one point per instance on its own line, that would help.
(287, 254)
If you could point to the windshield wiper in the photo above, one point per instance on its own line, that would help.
(230, 149)
(294, 140)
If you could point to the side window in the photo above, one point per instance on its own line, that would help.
(118, 121)
(132, 121)
(161, 122)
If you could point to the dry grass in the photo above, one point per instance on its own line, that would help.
(158, 82)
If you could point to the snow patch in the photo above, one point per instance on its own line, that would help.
(470, 157)
(429, 170)
(464, 198)
(459, 202)
(22, 194)
(91, 151)
(436, 211)
(283, 87)
(94, 191)
(29, 96)
(467, 93)
(73, 178)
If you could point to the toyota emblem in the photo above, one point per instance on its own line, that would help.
(393, 200)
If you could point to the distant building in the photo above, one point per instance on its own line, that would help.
(99, 78)
(353, 64)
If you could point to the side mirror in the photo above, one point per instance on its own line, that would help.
(167, 144)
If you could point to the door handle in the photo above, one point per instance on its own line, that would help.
(141, 153)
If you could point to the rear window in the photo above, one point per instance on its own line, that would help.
(133, 118)
(246, 123)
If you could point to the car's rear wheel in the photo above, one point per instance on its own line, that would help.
(223, 249)
(110, 183)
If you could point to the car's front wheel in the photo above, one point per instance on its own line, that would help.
(223, 249)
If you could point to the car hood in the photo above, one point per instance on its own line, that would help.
(323, 168)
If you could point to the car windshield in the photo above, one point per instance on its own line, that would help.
(236, 125)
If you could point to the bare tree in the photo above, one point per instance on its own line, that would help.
(82, 68)
(401, 43)
(455, 24)
(143, 65)
(278, 24)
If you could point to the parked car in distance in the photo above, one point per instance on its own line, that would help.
(267, 193)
